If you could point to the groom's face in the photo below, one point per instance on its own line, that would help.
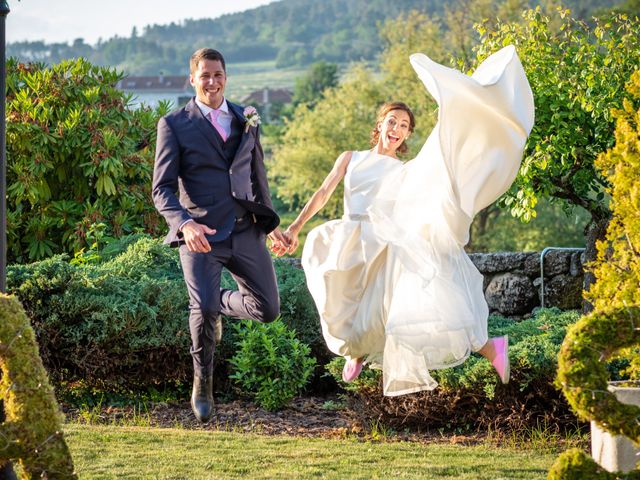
(209, 80)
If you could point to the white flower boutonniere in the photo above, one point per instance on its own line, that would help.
(253, 119)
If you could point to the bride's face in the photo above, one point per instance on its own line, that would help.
(394, 129)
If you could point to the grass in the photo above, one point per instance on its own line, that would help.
(150, 453)
(244, 78)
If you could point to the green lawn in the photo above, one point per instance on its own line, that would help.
(244, 78)
(153, 453)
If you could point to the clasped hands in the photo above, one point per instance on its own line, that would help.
(194, 235)
(283, 242)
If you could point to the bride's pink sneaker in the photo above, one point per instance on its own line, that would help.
(501, 360)
(352, 369)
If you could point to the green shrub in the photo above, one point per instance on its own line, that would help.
(470, 395)
(270, 363)
(112, 320)
(79, 159)
(298, 311)
(112, 325)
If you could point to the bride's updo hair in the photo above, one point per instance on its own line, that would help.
(384, 109)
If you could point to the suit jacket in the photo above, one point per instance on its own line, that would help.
(194, 178)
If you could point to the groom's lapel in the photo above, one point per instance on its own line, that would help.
(237, 112)
(201, 123)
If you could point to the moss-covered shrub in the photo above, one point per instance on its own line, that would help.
(32, 432)
(470, 396)
(613, 325)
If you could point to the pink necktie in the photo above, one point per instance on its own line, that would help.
(213, 116)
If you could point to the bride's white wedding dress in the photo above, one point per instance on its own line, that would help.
(391, 280)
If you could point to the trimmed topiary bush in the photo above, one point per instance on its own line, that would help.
(32, 432)
(270, 364)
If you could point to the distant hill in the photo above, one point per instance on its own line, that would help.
(293, 32)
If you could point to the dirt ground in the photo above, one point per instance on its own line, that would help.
(326, 417)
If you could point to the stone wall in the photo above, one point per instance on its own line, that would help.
(512, 280)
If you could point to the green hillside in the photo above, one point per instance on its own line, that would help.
(289, 32)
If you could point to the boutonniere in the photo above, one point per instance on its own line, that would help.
(253, 119)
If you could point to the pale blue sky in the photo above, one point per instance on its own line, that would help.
(66, 20)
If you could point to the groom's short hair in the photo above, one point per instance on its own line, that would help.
(205, 54)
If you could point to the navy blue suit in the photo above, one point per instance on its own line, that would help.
(199, 176)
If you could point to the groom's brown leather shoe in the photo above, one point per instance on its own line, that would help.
(202, 398)
(218, 329)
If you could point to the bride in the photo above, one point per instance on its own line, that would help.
(391, 280)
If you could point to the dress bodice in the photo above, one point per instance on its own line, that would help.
(365, 174)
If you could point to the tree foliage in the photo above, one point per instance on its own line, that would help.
(577, 73)
(78, 159)
(310, 87)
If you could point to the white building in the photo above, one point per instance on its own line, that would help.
(151, 90)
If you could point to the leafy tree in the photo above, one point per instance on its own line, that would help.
(577, 73)
(79, 159)
(495, 230)
(315, 137)
(310, 87)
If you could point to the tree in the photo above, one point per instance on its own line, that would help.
(79, 159)
(577, 73)
(310, 87)
(315, 137)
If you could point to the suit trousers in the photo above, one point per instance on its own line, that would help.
(244, 254)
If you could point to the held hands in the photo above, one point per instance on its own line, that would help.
(284, 242)
(194, 236)
(292, 237)
(279, 242)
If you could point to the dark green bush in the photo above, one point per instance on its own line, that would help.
(470, 396)
(115, 318)
(298, 311)
(116, 324)
(270, 363)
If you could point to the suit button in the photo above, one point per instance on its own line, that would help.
(231, 171)
(233, 193)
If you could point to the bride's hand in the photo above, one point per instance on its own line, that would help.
(292, 237)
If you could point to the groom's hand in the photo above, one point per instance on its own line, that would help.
(194, 236)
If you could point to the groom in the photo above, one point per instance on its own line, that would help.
(210, 184)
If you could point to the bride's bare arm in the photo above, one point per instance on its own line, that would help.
(319, 198)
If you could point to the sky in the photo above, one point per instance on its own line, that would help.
(66, 20)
